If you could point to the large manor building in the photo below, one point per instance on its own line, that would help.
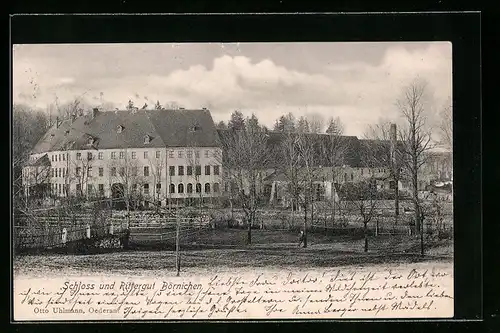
(160, 154)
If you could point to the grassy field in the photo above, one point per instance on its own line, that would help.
(271, 249)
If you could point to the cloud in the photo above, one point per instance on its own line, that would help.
(358, 92)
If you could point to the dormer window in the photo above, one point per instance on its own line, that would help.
(119, 129)
(66, 132)
(90, 141)
(195, 128)
(147, 139)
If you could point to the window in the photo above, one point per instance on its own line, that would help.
(134, 171)
(122, 155)
(78, 171)
(145, 155)
(133, 155)
(67, 156)
(66, 189)
(147, 139)
(171, 170)
(207, 188)
(101, 190)
(119, 129)
(158, 154)
(89, 171)
(216, 187)
(113, 155)
(122, 171)
(345, 176)
(190, 188)
(181, 170)
(198, 188)
(180, 188)
(207, 170)
(78, 189)
(56, 173)
(207, 153)
(60, 157)
(52, 158)
(146, 171)
(78, 156)
(197, 154)
(198, 170)
(189, 170)
(101, 172)
(189, 153)
(52, 172)
(146, 188)
(90, 189)
(216, 170)
(100, 155)
(89, 156)
(172, 188)
(352, 177)
(392, 185)
(170, 154)
(158, 187)
(59, 189)
(113, 171)
(55, 158)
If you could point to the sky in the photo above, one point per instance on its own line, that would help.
(358, 82)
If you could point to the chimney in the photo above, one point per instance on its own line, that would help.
(57, 122)
(393, 139)
(94, 112)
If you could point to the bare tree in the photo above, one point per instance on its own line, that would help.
(363, 197)
(247, 155)
(307, 154)
(290, 167)
(334, 149)
(416, 141)
(447, 124)
(125, 172)
(386, 152)
(157, 165)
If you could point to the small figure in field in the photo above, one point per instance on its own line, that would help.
(301, 238)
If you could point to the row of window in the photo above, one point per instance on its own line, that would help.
(60, 172)
(121, 155)
(197, 170)
(59, 157)
(64, 188)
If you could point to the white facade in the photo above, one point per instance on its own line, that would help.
(93, 172)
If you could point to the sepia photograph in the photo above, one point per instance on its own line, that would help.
(184, 181)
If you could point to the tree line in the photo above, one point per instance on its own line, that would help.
(314, 123)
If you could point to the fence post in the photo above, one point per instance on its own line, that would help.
(87, 231)
(64, 236)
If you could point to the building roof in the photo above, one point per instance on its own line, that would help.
(165, 128)
(354, 151)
